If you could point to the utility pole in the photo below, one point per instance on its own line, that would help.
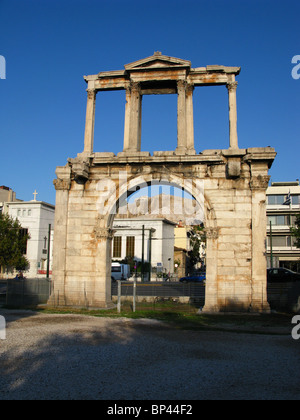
(143, 253)
(150, 253)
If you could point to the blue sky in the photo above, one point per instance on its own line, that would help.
(49, 45)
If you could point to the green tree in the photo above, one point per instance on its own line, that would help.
(12, 244)
(197, 236)
(296, 231)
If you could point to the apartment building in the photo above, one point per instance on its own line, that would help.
(283, 205)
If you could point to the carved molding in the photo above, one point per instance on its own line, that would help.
(62, 184)
(260, 182)
(232, 86)
(190, 88)
(103, 233)
(80, 168)
(181, 85)
(91, 93)
(212, 233)
(135, 87)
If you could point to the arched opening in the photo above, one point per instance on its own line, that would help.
(159, 233)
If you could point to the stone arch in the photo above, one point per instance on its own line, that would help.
(210, 221)
(195, 187)
(234, 197)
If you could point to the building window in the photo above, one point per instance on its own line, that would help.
(295, 199)
(117, 248)
(280, 241)
(24, 232)
(276, 199)
(29, 213)
(130, 246)
(280, 220)
(19, 213)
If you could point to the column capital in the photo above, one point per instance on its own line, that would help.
(212, 233)
(259, 182)
(190, 87)
(62, 184)
(232, 86)
(135, 86)
(91, 93)
(103, 233)
(181, 84)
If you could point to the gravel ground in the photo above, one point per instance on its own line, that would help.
(81, 357)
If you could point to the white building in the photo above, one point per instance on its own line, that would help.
(35, 218)
(158, 235)
(281, 217)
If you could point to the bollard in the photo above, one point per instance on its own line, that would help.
(2, 328)
(134, 295)
(119, 295)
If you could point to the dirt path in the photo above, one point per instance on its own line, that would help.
(83, 357)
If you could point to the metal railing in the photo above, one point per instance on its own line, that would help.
(27, 292)
(155, 295)
(159, 295)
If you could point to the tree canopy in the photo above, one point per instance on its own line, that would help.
(197, 236)
(13, 242)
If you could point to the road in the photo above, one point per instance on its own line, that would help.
(62, 357)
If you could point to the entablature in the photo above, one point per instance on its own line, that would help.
(162, 68)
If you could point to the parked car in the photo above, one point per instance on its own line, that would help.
(199, 278)
(282, 275)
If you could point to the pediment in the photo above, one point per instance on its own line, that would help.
(158, 61)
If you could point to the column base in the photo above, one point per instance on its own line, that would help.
(210, 310)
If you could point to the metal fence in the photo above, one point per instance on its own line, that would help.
(158, 296)
(163, 296)
(27, 292)
(284, 296)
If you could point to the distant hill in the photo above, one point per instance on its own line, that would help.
(173, 208)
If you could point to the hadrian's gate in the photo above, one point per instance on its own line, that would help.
(231, 185)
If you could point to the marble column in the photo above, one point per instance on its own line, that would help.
(232, 86)
(211, 287)
(127, 119)
(101, 296)
(181, 118)
(90, 121)
(190, 120)
(259, 300)
(62, 186)
(133, 121)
